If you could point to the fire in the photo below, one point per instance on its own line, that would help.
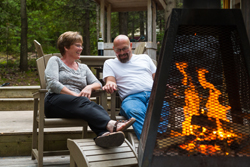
(215, 111)
(191, 100)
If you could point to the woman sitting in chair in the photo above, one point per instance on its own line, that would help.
(70, 85)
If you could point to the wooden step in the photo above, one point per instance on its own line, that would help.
(16, 134)
(18, 91)
(14, 98)
(22, 104)
(16, 104)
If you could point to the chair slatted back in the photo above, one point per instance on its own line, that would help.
(39, 49)
(40, 63)
(140, 49)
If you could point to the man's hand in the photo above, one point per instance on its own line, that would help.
(110, 87)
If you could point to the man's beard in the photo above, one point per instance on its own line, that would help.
(124, 60)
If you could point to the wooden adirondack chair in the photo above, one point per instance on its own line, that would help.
(140, 49)
(40, 122)
(39, 48)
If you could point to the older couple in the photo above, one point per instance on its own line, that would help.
(70, 85)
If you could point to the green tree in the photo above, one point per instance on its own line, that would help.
(10, 26)
(48, 19)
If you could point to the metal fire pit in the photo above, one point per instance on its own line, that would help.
(199, 111)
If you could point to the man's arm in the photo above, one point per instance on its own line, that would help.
(153, 75)
(110, 85)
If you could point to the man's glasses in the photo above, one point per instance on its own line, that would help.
(79, 46)
(123, 49)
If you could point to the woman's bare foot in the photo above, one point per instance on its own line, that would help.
(114, 126)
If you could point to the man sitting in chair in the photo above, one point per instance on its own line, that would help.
(70, 85)
(133, 75)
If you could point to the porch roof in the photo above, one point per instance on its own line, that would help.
(131, 5)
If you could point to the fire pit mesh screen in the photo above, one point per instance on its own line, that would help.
(206, 107)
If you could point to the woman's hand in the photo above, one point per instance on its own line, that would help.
(86, 91)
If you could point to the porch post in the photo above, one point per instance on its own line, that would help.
(103, 19)
(149, 39)
(151, 36)
(109, 23)
(154, 22)
(245, 8)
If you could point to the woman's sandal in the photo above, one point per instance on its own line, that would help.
(109, 139)
(129, 123)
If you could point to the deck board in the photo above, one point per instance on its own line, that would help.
(25, 161)
(21, 122)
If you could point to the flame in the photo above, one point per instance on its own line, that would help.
(191, 100)
(214, 110)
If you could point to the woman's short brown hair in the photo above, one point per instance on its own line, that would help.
(67, 39)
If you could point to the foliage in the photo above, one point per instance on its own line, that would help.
(10, 26)
(48, 19)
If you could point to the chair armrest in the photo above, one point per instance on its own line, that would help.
(102, 97)
(38, 93)
(97, 92)
(113, 105)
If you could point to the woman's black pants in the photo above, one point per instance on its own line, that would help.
(67, 106)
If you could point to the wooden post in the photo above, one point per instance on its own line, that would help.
(245, 5)
(103, 19)
(149, 21)
(226, 4)
(109, 24)
(154, 22)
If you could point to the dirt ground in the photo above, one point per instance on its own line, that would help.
(10, 74)
(13, 77)
(16, 78)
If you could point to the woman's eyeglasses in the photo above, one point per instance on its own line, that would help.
(79, 46)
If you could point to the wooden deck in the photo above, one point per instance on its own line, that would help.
(25, 161)
(16, 134)
(15, 140)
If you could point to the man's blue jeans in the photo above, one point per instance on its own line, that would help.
(136, 105)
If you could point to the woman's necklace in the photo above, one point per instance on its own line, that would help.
(73, 66)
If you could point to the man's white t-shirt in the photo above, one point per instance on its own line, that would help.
(133, 76)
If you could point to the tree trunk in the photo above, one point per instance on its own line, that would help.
(24, 28)
(133, 26)
(170, 5)
(161, 21)
(123, 23)
(142, 24)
